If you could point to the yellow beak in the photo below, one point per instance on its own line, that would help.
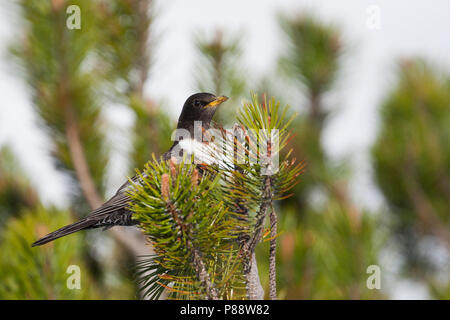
(217, 101)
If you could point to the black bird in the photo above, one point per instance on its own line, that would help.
(115, 212)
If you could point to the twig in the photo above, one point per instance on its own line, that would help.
(267, 198)
(254, 288)
(272, 255)
(250, 267)
(203, 275)
(423, 207)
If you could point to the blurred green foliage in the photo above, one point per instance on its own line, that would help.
(152, 132)
(311, 61)
(411, 158)
(40, 273)
(326, 243)
(16, 193)
(127, 43)
(311, 58)
(219, 70)
(53, 61)
(72, 76)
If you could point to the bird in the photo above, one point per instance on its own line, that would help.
(198, 109)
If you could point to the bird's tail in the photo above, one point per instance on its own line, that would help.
(64, 231)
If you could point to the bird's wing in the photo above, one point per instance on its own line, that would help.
(115, 211)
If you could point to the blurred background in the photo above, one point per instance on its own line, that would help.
(81, 108)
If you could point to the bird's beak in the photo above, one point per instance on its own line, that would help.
(216, 101)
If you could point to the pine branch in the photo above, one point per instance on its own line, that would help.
(266, 117)
(257, 182)
(199, 265)
(192, 232)
(266, 204)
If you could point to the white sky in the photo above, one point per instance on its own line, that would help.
(408, 28)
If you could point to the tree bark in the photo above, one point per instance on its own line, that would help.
(272, 255)
(255, 290)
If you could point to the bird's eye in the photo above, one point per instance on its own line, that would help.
(197, 103)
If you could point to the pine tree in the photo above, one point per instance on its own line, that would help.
(72, 75)
(328, 243)
(411, 161)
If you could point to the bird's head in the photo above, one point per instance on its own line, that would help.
(199, 107)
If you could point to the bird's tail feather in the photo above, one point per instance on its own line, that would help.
(64, 231)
